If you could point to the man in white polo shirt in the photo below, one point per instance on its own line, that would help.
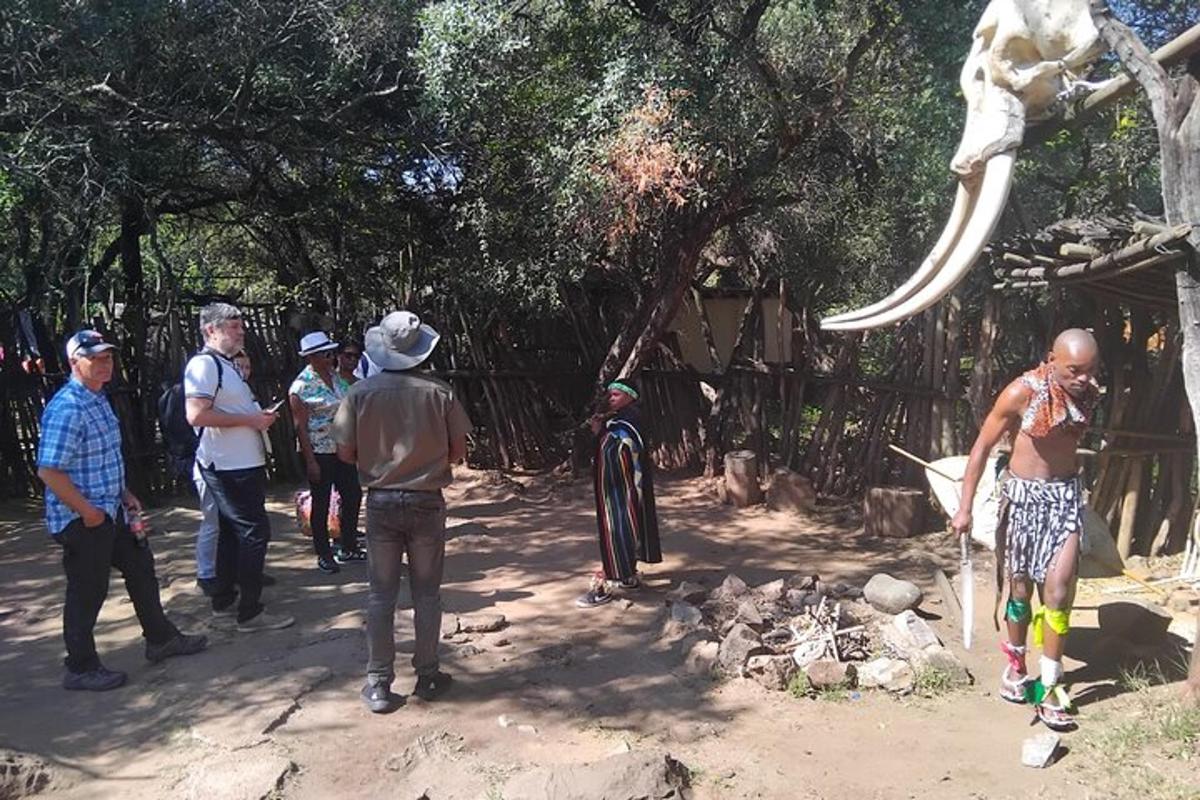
(229, 425)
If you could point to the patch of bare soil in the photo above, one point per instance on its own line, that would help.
(552, 701)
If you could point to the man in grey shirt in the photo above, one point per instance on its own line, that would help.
(403, 429)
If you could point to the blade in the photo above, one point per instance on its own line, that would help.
(967, 592)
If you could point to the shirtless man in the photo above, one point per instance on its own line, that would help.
(1047, 410)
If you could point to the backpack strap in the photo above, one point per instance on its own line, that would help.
(220, 379)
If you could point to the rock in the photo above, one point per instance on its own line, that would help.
(687, 592)
(940, 659)
(528, 730)
(501, 642)
(797, 599)
(739, 644)
(480, 623)
(1138, 621)
(773, 672)
(790, 492)
(891, 596)
(505, 721)
(748, 613)
(773, 591)
(915, 630)
(235, 776)
(701, 659)
(686, 614)
(890, 674)
(467, 651)
(625, 776)
(842, 591)
(23, 775)
(730, 589)
(826, 673)
(1038, 751)
(805, 583)
(1181, 600)
(472, 529)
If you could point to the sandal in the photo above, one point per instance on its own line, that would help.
(1012, 686)
(1053, 708)
(1013, 681)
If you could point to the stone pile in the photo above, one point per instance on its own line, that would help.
(799, 623)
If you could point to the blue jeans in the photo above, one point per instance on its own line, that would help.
(400, 522)
(245, 531)
(209, 532)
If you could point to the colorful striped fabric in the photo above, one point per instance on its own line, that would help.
(625, 508)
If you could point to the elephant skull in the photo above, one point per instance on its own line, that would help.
(1024, 55)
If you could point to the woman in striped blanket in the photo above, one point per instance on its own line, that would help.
(624, 486)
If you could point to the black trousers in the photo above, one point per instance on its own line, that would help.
(335, 472)
(245, 531)
(89, 556)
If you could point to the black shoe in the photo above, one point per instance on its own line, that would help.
(268, 580)
(207, 585)
(96, 680)
(379, 698)
(431, 687)
(327, 565)
(181, 644)
(344, 556)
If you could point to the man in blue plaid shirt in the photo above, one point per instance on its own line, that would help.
(79, 460)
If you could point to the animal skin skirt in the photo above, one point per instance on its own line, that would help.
(1036, 517)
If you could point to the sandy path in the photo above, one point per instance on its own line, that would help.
(279, 713)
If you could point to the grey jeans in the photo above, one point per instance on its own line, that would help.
(400, 522)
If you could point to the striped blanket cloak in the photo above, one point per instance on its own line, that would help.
(625, 509)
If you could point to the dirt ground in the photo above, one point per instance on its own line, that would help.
(278, 714)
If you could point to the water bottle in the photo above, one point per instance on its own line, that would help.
(136, 524)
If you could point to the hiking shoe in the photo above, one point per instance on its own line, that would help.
(181, 644)
(207, 585)
(379, 698)
(596, 595)
(431, 687)
(593, 598)
(265, 622)
(227, 612)
(328, 565)
(95, 680)
(344, 556)
(632, 582)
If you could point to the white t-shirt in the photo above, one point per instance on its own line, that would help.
(224, 448)
(366, 367)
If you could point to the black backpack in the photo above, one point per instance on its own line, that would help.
(179, 438)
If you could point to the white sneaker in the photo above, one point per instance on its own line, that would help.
(266, 622)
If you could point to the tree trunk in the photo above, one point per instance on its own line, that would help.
(1176, 108)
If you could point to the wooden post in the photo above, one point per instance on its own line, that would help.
(741, 478)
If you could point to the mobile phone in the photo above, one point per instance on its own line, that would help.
(278, 404)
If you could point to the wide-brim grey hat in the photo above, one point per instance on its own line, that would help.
(400, 341)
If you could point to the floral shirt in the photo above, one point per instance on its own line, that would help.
(321, 402)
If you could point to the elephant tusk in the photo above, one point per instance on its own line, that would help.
(988, 208)
(964, 203)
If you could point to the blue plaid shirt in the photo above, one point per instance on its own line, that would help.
(81, 437)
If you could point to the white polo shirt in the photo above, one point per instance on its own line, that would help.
(224, 448)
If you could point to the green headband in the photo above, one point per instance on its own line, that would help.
(617, 386)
